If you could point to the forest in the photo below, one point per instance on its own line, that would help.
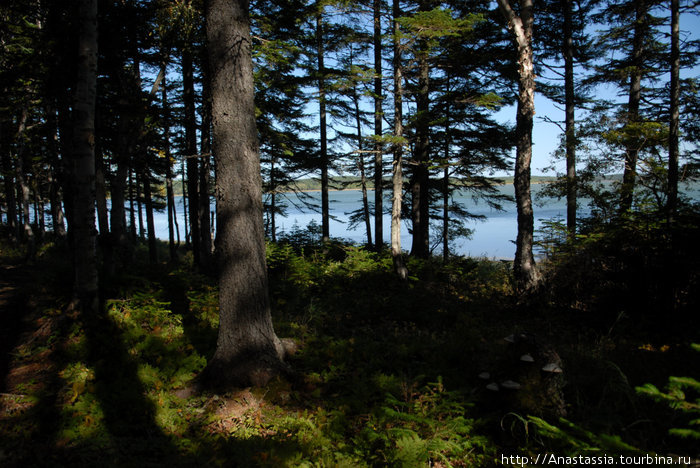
(235, 343)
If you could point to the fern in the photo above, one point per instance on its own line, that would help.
(677, 397)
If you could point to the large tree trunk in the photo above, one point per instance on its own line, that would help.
(397, 173)
(673, 124)
(378, 116)
(325, 214)
(569, 119)
(248, 351)
(524, 268)
(191, 154)
(83, 156)
(635, 97)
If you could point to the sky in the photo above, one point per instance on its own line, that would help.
(546, 135)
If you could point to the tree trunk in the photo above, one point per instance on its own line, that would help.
(397, 172)
(325, 214)
(185, 205)
(105, 239)
(569, 120)
(524, 268)
(83, 156)
(57, 217)
(101, 198)
(23, 185)
(132, 211)
(378, 115)
(361, 167)
(635, 96)
(139, 204)
(205, 169)
(9, 182)
(420, 204)
(673, 124)
(170, 195)
(191, 152)
(248, 351)
(150, 224)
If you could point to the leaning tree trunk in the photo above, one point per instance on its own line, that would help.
(248, 351)
(361, 166)
(83, 155)
(524, 269)
(397, 174)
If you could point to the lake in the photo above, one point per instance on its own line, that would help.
(492, 238)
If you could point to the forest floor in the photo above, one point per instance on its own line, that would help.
(391, 372)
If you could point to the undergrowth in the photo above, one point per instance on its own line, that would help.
(389, 372)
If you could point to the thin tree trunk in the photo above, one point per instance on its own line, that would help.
(325, 214)
(150, 224)
(9, 182)
(205, 169)
(132, 211)
(635, 96)
(139, 205)
(420, 204)
(57, 218)
(101, 198)
(570, 122)
(446, 182)
(673, 124)
(105, 239)
(378, 115)
(397, 171)
(83, 155)
(65, 128)
(361, 167)
(524, 268)
(185, 202)
(172, 211)
(20, 171)
(191, 152)
(248, 351)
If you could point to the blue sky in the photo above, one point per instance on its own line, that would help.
(546, 135)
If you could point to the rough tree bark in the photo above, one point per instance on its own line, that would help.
(83, 155)
(248, 351)
(524, 269)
